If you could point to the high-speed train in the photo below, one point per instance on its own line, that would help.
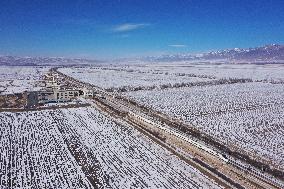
(143, 119)
(223, 157)
(227, 159)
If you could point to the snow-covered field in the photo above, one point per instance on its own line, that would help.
(185, 102)
(259, 131)
(33, 153)
(17, 79)
(248, 115)
(41, 149)
(265, 72)
(232, 113)
(112, 77)
(149, 75)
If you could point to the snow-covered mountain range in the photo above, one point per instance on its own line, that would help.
(267, 53)
(32, 61)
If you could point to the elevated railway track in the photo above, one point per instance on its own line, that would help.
(251, 177)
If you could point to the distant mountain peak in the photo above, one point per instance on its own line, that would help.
(270, 52)
(30, 61)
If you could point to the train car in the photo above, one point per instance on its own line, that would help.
(142, 119)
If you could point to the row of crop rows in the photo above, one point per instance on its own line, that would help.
(211, 99)
(79, 149)
(247, 115)
(128, 158)
(62, 148)
(265, 73)
(33, 154)
(115, 80)
(258, 131)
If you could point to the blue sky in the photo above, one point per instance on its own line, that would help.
(127, 28)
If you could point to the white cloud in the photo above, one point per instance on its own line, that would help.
(129, 27)
(178, 45)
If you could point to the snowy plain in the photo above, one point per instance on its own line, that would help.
(232, 113)
(263, 72)
(248, 116)
(35, 153)
(110, 77)
(17, 79)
